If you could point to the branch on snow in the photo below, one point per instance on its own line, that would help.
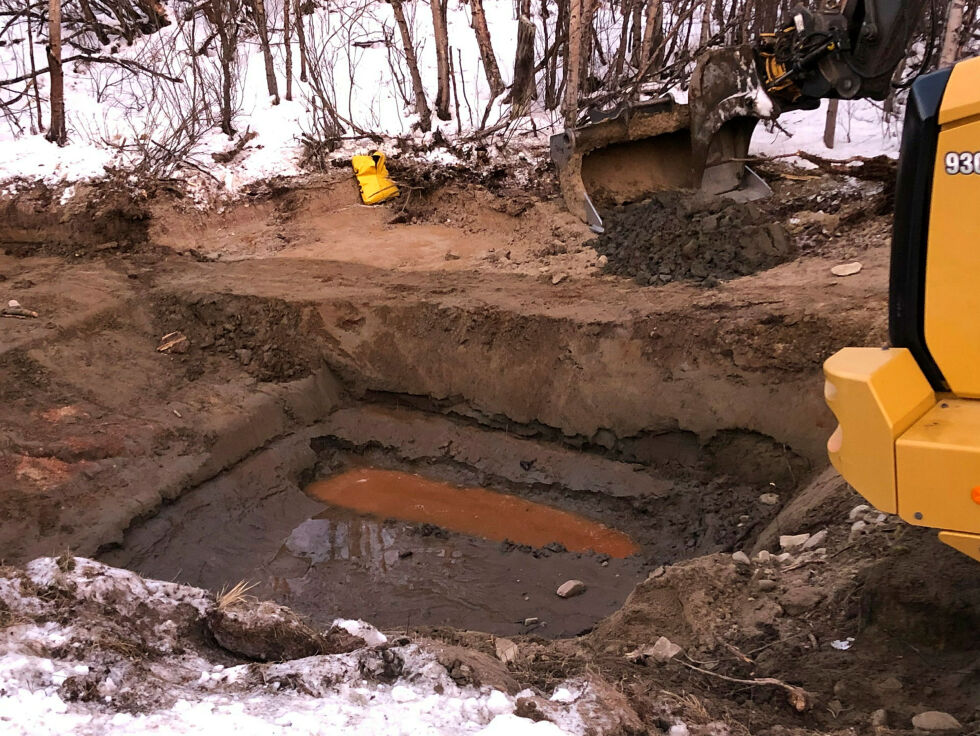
(128, 64)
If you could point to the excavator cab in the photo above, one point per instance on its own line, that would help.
(908, 437)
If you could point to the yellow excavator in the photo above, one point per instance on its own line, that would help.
(908, 437)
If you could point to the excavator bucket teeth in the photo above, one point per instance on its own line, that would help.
(634, 150)
(726, 100)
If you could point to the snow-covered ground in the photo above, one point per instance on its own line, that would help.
(109, 108)
(88, 649)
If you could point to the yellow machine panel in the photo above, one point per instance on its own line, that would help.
(960, 100)
(938, 464)
(952, 298)
(876, 395)
(968, 544)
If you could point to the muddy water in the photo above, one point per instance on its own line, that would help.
(476, 511)
(326, 561)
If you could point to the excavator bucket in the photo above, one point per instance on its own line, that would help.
(634, 150)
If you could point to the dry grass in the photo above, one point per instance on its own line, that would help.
(236, 593)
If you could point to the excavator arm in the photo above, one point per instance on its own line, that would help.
(840, 49)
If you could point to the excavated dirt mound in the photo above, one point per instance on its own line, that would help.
(690, 236)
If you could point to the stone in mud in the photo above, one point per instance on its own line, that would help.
(800, 599)
(816, 540)
(769, 499)
(506, 650)
(740, 558)
(793, 541)
(662, 650)
(268, 632)
(571, 588)
(471, 667)
(935, 720)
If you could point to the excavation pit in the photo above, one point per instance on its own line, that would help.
(361, 518)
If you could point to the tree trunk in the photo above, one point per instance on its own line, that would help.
(91, 20)
(951, 36)
(288, 41)
(522, 90)
(624, 37)
(441, 37)
(301, 38)
(33, 82)
(588, 12)
(652, 33)
(421, 105)
(479, 24)
(830, 124)
(270, 69)
(705, 23)
(57, 131)
(574, 63)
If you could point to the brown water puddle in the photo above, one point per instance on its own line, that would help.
(475, 511)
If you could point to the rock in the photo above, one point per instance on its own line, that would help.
(857, 527)
(846, 269)
(602, 261)
(879, 719)
(769, 499)
(531, 621)
(506, 650)
(816, 540)
(935, 720)
(763, 556)
(471, 667)
(571, 588)
(766, 585)
(604, 438)
(558, 278)
(663, 650)
(244, 356)
(450, 256)
(800, 599)
(889, 685)
(857, 511)
(783, 557)
(793, 541)
(740, 558)
(268, 632)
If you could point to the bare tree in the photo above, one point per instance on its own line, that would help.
(262, 25)
(57, 131)
(441, 34)
(573, 65)
(652, 32)
(223, 16)
(522, 88)
(830, 123)
(490, 68)
(951, 36)
(287, 40)
(301, 39)
(421, 105)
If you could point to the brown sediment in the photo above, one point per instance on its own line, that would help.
(476, 511)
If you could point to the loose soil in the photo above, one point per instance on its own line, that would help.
(476, 339)
(688, 235)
